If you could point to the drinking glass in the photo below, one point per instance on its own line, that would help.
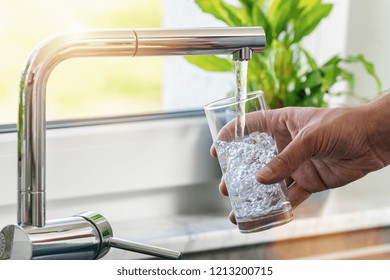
(256, 206)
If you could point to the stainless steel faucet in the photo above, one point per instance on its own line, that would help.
(89, 235)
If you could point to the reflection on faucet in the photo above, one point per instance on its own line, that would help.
(241, 42)
(84, 236)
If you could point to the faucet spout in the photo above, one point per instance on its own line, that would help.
(239, 41)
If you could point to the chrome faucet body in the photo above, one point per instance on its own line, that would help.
(241, 42)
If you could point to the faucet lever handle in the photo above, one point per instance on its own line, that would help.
(144, 249)
(108, 240)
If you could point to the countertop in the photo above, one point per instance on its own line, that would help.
(347, 209)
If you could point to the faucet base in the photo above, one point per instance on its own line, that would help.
(69, 238)
(86, 236)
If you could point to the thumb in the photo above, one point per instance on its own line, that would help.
(285, 163)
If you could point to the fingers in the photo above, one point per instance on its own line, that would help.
(227, 133)
(286, 162)
(297, 194)
(223, 188)
(213, 151)
(232, 218)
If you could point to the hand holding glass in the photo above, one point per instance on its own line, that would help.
(256, 207)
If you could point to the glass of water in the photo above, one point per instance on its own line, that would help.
(256, 207)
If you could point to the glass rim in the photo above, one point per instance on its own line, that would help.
(224, 102)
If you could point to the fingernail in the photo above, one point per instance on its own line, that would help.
(265, 173)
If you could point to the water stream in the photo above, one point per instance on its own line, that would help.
(241, 68)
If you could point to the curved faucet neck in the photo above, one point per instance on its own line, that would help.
(32, 108)
(107, 42)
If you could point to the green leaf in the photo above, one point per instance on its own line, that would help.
(229, 14)
(250, 3)
(211, 63)
(280, 13)
(259, 19)
(309, 19)
(237, 15)
(312, 79)
(309, 59)
(347, 76)
(334, 60)
(285, 71)
(331, 75)
(370, 68)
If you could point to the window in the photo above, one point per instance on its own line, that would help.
(82, 87)
(105, 87)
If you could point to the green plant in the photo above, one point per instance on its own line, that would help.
(285, 71)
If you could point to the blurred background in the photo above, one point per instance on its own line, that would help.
(104, 87)
(87, 87)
